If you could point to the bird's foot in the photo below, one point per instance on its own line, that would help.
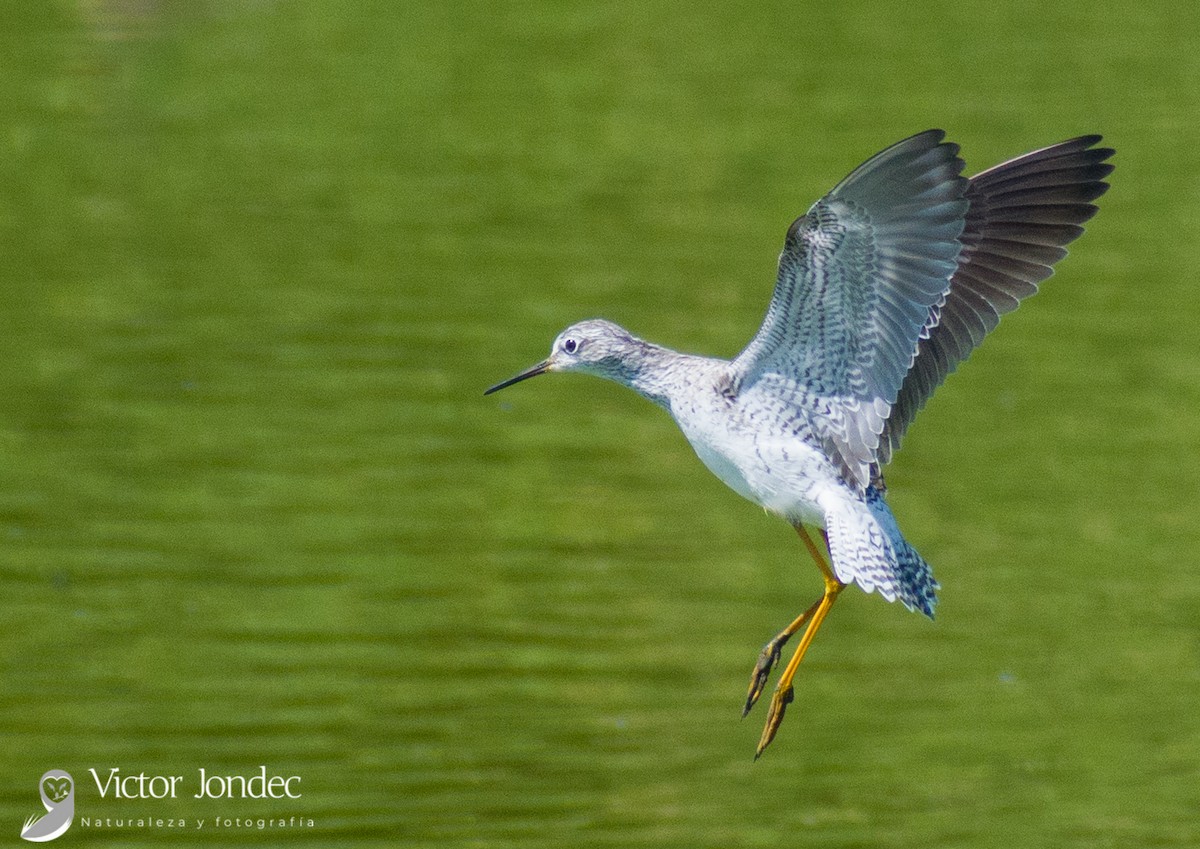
(780, 699)
(767, 658)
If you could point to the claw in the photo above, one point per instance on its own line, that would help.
(780, 699)
(767, 659)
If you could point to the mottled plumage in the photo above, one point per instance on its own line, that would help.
(884, 286)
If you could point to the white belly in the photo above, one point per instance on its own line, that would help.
(789, 478)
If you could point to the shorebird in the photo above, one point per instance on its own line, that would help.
(884, 286)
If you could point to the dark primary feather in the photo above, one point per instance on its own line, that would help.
(1022, 213)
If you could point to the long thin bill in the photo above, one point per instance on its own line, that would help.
(540, 368)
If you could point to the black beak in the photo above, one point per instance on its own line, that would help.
(540, 368)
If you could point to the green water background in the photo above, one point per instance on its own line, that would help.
(259, 260)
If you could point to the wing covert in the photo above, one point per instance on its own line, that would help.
(858, 278)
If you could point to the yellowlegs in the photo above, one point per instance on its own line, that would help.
(884, 286)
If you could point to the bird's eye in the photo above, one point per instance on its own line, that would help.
(570, 346)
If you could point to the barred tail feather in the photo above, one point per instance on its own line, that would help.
(867, 549)
(918, 589)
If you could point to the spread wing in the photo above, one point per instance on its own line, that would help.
(1022, 213)
(858, 278)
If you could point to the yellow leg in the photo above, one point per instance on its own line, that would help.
(769, 656)
(814, 616)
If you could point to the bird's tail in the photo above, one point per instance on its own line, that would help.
(867, 548)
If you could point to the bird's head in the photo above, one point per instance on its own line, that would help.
(594, 346)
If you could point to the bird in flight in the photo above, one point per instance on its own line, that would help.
(884, 286)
